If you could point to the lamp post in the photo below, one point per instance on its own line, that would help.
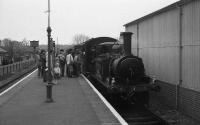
(54, 56)
(49, 85)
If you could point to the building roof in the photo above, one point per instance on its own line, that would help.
(98, 40)
(167, 8)
(2, 50)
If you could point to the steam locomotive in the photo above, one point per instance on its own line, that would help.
(111, 63)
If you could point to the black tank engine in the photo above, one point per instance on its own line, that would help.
(121, 73)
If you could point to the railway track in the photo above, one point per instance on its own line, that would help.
(136, 114)
(133, 113)
(10, 81)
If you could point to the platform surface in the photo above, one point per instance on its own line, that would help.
(75, 103)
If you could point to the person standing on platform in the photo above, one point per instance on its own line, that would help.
(81, 61)
(43, 62)
(56, 72)
(57, 60)
(61, 57)
(39, 64)
(69, 62)
(77, 63)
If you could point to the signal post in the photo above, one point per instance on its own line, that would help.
(49, 85)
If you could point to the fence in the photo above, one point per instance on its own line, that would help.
(11, 68)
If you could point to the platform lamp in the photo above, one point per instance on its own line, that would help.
(52, 50)
(54, 53)
(49, 85)
(34, 44)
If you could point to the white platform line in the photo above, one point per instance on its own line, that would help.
(115, 113)
(17, 83)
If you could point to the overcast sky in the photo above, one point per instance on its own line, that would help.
(21, 19)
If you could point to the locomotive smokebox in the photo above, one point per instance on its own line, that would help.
(126, 39)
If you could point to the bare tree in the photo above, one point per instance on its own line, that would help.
(25, 42)
(80, 38)
(16, 50)
(8, 44)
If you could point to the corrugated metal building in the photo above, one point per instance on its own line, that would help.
(168, 40)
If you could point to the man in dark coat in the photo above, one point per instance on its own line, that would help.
(43, 62)
(61, 57)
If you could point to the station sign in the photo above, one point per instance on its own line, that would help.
(34, 43)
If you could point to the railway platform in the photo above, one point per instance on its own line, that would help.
(75, 103)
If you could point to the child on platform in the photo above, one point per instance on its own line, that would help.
(57, 72)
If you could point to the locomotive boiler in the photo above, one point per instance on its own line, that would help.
(122, 74)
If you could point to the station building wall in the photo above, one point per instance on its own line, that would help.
(169, 44)
(189, 96)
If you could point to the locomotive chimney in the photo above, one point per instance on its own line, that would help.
(126, 39)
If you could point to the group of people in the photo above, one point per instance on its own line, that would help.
(70, 62)
(67, 63)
